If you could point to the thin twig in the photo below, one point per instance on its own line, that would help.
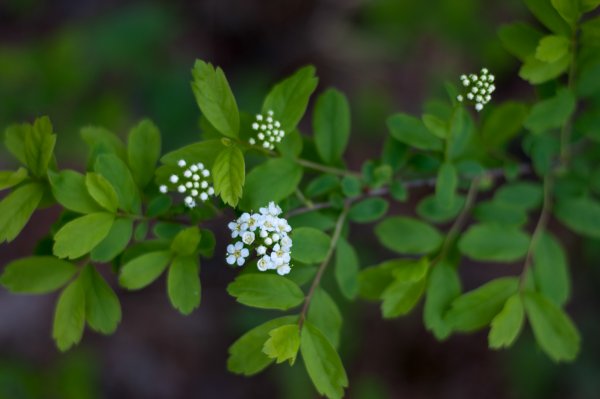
(462, 218)
(324, 168)
(334, 239)
(378, 192)
(539, 227)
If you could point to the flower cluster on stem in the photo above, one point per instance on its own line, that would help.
(267, 234)
(193, 181)
(268, 130)
(478, 88)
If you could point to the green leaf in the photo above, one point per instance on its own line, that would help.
(519, 39)
(36, 275)
(581, 214)
(113, 169)
(568, 9)
(322, 363)
(291, 145)
(16, 209)
(547, 15)
(522, 194)
(143, 270)
(374, 280)
(551, 113)
(537, 72)
(507, 324)
(69, 316)
(429, 209)
(39, 146)
(368, 210)
(273, 180)
(159, 206)
(186, 241)
(443, 287)
(437, 126)
(266, 291)
(102, 307)
(503, 123)
(346, 268)
(445, 187)
(351, 186)
(102, 191)
(408, 236)
(462, 130)
(310, 245)
(246, 355)
(102, 141)
(410, 130)
(205, 151)
(288, 99)
(552, 48)
(115, 242)
(550, 269)
(183, 284)
(324, 314)
(143, 151)
(494, 243)
(14, 139)
(81, 235)
(283, 343)
(501, 213)
(229, 174)
(10, 179)
(69, 189)
(322, 185)
(401, 296)
(553, 329)
(477, 308)
(331, 125)
(215, 99)
(588, 5)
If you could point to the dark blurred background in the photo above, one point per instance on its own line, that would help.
(110, 63)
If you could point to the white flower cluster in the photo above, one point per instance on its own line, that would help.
(479, 88)
(265, 232)
(269, 131)
(193, 181)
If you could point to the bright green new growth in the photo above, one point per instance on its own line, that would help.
(116, 213)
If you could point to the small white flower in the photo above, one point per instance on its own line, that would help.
(163, 189)
(181, 163)
(248, 237)
(459, 98)
(282, 270)
(236, 229)
(261, 250)
(286, 243)
(174, 179)
(236, 253)
(279, 256)
(275, 237)
(264, 263)
(203, 196)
